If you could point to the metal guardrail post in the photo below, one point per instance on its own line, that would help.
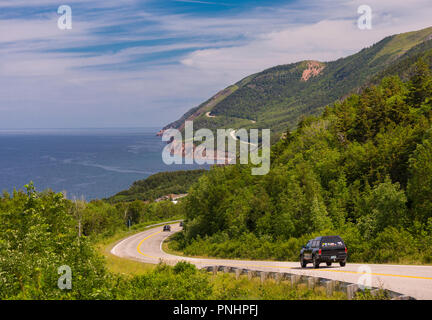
(278, 277)
(251, 274)
(330, 286)
(295, 278)
(351, 289)
(263, 276)
(238, 272)
(287, 276)
(311, 282)
(271, 275)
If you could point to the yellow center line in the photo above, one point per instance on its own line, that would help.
(343, 271)
(381, 274)
(285, 267)
(141, 242)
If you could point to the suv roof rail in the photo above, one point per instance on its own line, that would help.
(321, 237)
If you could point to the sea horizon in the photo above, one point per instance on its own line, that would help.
(93, 163)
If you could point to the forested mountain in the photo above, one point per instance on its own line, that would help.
(363, 169)
(278, 97)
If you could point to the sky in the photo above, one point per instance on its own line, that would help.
(134, 63)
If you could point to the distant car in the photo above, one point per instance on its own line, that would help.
(181, 223)
(326, 249)
(167, 228)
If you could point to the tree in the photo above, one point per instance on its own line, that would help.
(420, 183)
(420, 84)
(38, 235)
(385, 205)
(134, 211)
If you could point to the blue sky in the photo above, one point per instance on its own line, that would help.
(144, 63)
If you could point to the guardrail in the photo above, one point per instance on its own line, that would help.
(350, 289)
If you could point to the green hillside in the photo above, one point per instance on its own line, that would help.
(158, 185)
(278, 97)
(363, 170)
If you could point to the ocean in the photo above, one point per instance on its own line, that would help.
(89, 163)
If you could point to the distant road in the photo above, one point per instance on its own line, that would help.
(415, 281)
(233, 135)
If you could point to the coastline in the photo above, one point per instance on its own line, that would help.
(200, 153)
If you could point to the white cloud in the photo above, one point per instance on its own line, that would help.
(40, 84)
(42, 3)
(325, 40)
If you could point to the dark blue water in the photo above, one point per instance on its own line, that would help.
(94, 163)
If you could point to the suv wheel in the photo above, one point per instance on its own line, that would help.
(329, 264)
(315, 262)
(342, 263)
(302, 262)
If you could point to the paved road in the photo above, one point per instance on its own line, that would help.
(233, 135)
(415, 281)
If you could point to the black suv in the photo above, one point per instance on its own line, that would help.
(167, 228)
(326, 249)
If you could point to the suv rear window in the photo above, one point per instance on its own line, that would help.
(332, 242)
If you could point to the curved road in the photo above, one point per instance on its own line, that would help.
(415, 281)
(233, 135)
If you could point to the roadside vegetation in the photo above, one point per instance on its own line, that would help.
(362, 170)
(39, 232)
(184, 281)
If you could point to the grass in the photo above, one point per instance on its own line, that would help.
(127, 267)
(401, 43)
(227, 287)
(166, 247)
